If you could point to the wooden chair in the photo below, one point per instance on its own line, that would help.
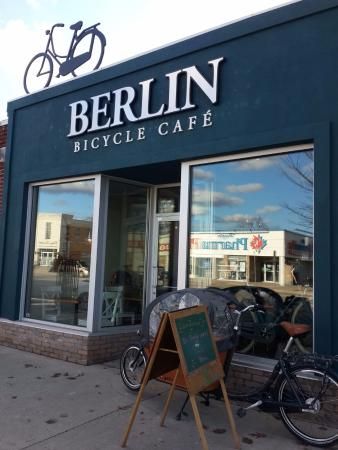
(111, 305)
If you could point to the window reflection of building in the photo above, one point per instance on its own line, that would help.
(61, 234)
(60, 265)
(235, 256)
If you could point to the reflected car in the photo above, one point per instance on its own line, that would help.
(83, 269)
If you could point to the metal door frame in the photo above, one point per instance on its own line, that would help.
(153, 241)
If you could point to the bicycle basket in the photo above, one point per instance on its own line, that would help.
(218, 311)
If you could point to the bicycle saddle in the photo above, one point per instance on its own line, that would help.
(76, 26)
(295, 329)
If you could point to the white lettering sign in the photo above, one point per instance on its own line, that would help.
(139, 134)
(110, 109)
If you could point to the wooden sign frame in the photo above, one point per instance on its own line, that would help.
(184, 342)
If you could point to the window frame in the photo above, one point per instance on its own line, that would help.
(31, 228)
(251, 361)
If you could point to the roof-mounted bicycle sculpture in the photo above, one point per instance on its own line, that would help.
(39, 71)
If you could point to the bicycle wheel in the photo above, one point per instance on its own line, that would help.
(83, 46)
(38, 73)
(318, 427)
(132, 364)
(249, 320)
(247, 328)
(302, 313)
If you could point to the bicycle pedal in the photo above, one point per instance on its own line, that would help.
(241, 412)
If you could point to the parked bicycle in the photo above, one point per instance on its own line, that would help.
(261, 330)
(90, 42)
(302, 388)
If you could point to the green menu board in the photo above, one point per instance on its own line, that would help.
(197, 346)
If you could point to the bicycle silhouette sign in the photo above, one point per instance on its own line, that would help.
(85, 46)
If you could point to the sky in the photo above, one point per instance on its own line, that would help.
(131, 27)
(264, 193)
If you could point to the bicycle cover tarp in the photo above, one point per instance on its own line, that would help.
(216, 301)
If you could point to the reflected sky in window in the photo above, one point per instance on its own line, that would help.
(267, 193)
(75, 198)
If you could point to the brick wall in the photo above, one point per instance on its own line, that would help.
(2, 175)
(3, 134)
(3, 140)
(77, 348)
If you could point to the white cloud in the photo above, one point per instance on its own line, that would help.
(78, 187)
(202, 174)
(25, 41)
(244, 188)
(34, 4)
(268, 209)
(255, 164)
(235, 218)
(198, 210)
(216, 198)
(38, 4)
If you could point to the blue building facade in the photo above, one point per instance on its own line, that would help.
(110, 176)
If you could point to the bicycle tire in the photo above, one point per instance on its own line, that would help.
(48, 72)
(247, 326)
(304, 343)
(320, 427)
(131, 369)
(102, 40)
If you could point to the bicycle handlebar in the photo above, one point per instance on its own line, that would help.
(50, 32)
(255, 307)
(239, 311)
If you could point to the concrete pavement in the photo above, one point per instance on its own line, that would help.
(47, 404)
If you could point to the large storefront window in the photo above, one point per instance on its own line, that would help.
(125, 255)
(58, 278)
(251, 231)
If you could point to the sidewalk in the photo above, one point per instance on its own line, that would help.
(47, 404)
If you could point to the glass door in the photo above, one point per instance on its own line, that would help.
(270, 272)
(165, 255)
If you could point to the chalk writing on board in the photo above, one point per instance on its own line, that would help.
(196, 341)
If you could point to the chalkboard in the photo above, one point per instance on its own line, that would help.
(199, 359)
(184, 344)
(197, 346)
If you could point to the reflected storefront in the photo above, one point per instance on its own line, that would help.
(59, 266)
(252, 232)
(265, 257)
(58, 278)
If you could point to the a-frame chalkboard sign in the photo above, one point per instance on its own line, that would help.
(184, 343)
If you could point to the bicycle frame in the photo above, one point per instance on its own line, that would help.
(264, 396)
(264, 331)
(264, 400)
(50, 43)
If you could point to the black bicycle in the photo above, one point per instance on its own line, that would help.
(302, 389)
(90, 42)
(260, 331)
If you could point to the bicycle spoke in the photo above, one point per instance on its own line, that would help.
(316, 422)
